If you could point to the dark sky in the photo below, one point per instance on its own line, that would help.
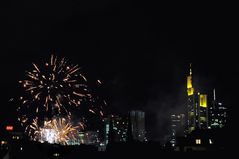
(140, 50)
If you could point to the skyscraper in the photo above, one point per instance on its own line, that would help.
(197, 109)
(120, 128)
(191, 105)
(217, 113)
(138, 125)
(202, 112)
(115, 129)
(177, 127)
(106, 130)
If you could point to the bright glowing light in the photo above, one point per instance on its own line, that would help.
(203, 100)
(56, 154)
(210, 141)
(198, 141)
(49, 135)
(57, 130)
(9, 128)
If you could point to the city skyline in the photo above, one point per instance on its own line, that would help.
(201, 130)
(180, 110)
(166, 69)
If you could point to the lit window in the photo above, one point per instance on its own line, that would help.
(3, 142)
(210, 141)
(56, 154)
(198, 141)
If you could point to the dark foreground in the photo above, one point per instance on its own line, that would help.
(45, 151)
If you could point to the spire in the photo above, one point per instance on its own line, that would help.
(191, 72)
(190, 89)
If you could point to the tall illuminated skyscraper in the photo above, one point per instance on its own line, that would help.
(197, 109)
(191, 105)
(217, 113)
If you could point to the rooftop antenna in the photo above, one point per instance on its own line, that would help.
(214, 94)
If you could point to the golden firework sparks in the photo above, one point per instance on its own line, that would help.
(56, 88)
(57, 130)
(55, 83)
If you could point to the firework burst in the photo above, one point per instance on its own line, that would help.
(57, 88)
(55, 131)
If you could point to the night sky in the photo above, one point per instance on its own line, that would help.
(141, 51)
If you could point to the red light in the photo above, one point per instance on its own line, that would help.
(9, 128)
